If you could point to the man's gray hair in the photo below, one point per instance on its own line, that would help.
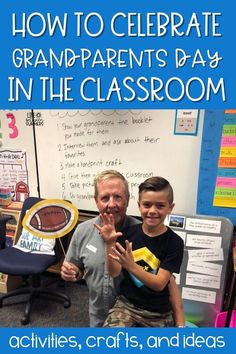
(110, 174)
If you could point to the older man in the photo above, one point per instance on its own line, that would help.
(86, 256)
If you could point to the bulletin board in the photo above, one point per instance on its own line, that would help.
(17, 155)
(217, 170)
(204, 270)
(73, 146)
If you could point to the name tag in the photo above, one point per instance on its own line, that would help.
(91, 248)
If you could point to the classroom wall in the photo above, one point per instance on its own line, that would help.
(217, 169)
(73, 146)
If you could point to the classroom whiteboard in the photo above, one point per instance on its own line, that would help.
(73, 146)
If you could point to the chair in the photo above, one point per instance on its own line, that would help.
(31, 266)
(3, 221)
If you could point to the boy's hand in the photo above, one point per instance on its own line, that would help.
(107, 230)
(123, 256)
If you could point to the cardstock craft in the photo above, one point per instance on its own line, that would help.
(51, 218)
(33, 244)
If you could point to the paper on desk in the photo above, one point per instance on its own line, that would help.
(205, 268)
(199, 295)
(206, 254)
(203, 225)
(202, 280)
(203, 241)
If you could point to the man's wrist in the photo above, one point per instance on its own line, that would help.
(110, 244)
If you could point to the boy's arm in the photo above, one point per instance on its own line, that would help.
(124, 257)
(176, 303)
(113, 267)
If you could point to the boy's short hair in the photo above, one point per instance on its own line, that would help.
(110, 174)
(157, 184)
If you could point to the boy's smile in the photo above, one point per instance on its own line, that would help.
(154, 207)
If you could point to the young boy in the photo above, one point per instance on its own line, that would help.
(147, 254)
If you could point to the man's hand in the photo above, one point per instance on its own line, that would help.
(107, 230)
(70, 272)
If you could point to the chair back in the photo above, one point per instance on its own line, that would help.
(61, 244)
(28, 203)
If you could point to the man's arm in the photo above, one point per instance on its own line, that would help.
(109, 235)
(70, 272)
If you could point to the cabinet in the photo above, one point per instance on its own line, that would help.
(10, 282)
